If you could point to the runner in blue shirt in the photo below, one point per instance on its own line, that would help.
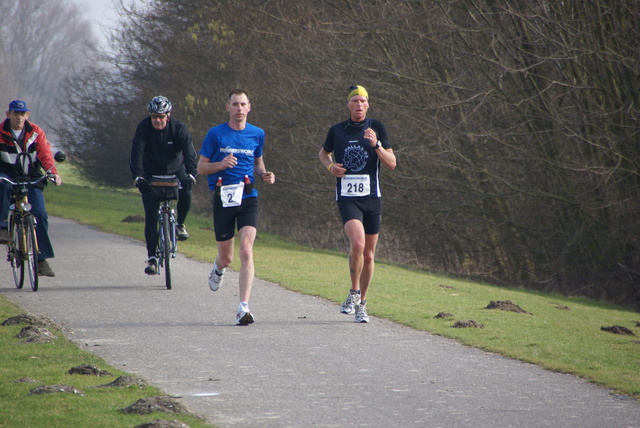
(231, 156)
(359, 145)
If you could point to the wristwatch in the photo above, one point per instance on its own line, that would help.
(378, 145)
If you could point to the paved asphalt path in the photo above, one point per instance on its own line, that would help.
(302, 363)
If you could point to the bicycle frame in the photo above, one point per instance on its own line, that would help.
(21, 208)
(21, 224)
(167, 240)
(167, 208)
(23, 247)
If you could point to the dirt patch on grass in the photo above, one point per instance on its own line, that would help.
(133, 219)
(32, 334)
(158, 423)
(30, 319)
(506, 305)
(156, 404)
(124, 382)
(443, 315)
(36, 330)
(467, 324)
(618, 329)
(89, 370)
(52, 389)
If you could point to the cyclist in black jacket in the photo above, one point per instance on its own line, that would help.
(162, 145)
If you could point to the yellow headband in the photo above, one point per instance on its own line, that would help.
(357, 90)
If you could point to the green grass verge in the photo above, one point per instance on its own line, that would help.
(48, 364)
(558, 333)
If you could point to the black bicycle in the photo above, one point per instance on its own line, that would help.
(165, 188)
(22, 250)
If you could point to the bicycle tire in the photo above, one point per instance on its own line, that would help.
(31, 251)
(14, 251)
(166, 250)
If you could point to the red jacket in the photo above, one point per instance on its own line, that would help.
(35, 143)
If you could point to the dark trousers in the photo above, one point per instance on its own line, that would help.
(151, 206)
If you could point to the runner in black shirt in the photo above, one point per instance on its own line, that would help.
(359, 145)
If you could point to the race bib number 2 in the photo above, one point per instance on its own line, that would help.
(231, 195)
(355, 185)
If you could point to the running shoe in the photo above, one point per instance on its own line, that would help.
(181, 232)
(361, 312)
(349, 305)
(152, 266)
(215, 277)
(244, 317)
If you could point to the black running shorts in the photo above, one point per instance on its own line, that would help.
(226, 219)
(368, 211)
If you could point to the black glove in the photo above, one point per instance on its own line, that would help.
(142, 184)
(188, 182)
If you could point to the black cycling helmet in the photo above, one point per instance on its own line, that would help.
(159, 105)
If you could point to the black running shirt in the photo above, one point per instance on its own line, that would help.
(349, 147)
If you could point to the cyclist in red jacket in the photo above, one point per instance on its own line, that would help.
(18, 135)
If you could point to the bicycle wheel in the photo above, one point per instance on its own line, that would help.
(166, 248)
(15, 252)
(31, 249)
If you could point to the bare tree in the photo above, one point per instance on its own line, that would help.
(515, 124)
(40, 44)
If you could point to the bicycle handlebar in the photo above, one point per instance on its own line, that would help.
(47, 176)
(60, 156)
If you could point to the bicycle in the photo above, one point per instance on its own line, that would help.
(22, 250)
(165, 188)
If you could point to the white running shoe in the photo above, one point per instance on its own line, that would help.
(244, 317)
(361, 312)
(215, 277)
(349, 305)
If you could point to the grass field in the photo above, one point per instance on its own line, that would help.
(559, 333)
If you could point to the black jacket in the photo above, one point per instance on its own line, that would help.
(165, 152)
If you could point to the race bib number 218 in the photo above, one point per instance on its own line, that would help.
(355, 185)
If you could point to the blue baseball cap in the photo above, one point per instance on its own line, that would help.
(18, 105)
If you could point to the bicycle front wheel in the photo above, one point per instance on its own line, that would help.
(31, 249)
(166, 248)
(15, 252)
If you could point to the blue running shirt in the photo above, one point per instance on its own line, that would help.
(246, 146)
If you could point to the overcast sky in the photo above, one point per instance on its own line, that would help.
(101, 12)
